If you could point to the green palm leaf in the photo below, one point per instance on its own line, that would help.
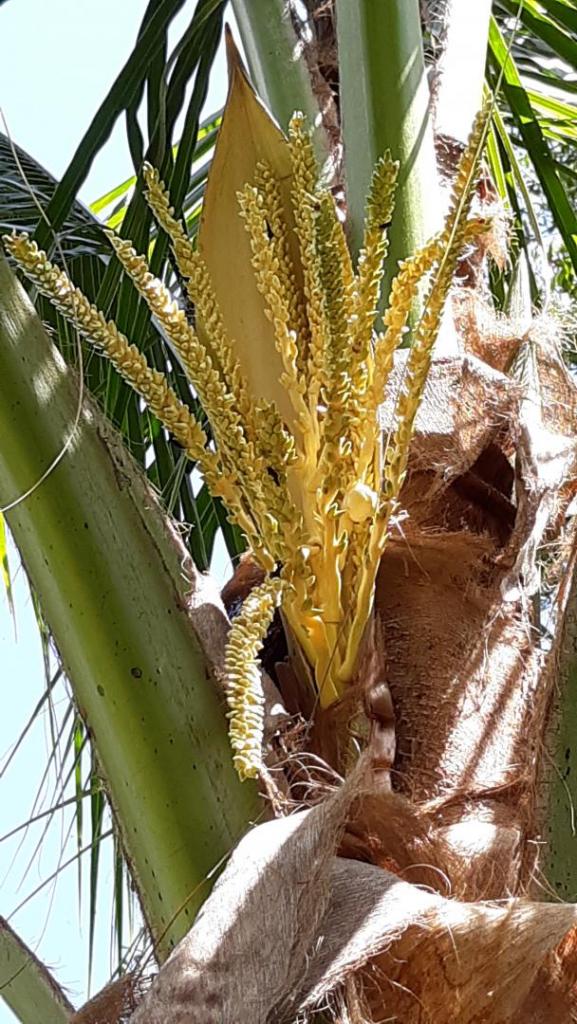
(527, 123)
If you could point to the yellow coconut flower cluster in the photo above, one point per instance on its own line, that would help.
(290, 369)
(243, 679)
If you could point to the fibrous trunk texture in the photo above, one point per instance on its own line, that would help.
(290, 926)
(468, 664)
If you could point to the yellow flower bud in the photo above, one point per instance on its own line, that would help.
(360, 502)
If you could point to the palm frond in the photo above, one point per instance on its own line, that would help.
(82, 246)
(528, 123)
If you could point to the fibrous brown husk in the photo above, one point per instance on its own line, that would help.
(493, 339)
(275, 887)
(114, 1004)
(288, 923)
(492, 470)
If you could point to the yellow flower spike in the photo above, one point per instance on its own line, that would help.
(452, 239)
(248, 137)
(275, 444)
(304, 177)
(242, 676)
(216, 400)
(158, 198)
(444, 253)
(379, 211)
(285, 363)
(149, 383)
(129, 361)
(237, 451)
(303, 159)
(211, 332)
(223, 400)
(403, 292)
(272, 205)
(463, 184)
(366, 395)
(275, 289)
(336, 272)
(337, 281)
(198, 287)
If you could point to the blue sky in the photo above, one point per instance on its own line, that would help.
(59, 59)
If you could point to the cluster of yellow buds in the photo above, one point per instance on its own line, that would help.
(291, 369)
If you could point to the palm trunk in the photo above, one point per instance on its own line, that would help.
(557, 803)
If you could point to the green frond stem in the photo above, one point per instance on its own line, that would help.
(28, 987)
(242, 676)
(116, 593)
(385, 104)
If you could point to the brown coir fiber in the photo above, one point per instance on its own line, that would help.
(114, 1004)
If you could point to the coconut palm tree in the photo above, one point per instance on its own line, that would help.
(422, 651)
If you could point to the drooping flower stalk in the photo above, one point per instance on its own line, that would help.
(243, 675)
